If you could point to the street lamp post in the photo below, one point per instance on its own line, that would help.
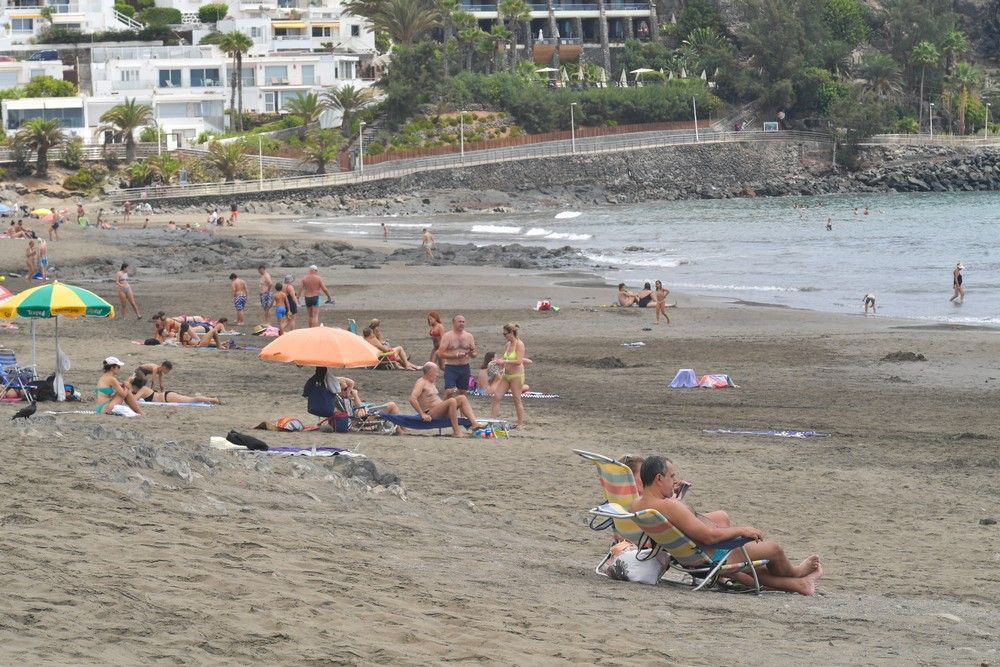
(572, 126)
(361, 146)
(260, 161)
(461, 134)
(694, 106)
(932, 119)
(156, 111)
(988, 105)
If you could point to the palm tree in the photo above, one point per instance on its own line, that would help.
(605, 46)
(307, 107)
(349, 100)
(402, 20)
(882, 75)
(123, 120)
(447, 9)
(498, 39)
(235, 44)
(41, 136)
(142, 173)
(516, 12)
(229, 158)
(553, 33)
(321, 148)
(926, 55)
(964, 81)
(954, 43)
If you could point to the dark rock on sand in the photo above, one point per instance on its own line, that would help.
(904, 356)
(603, 362)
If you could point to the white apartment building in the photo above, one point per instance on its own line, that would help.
(20, 72)
(22, 20)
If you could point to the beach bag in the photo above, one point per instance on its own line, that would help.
(341, 422)
(319, 399)
(623, 564)
(150, 341)
(290, 424)
(247, 441)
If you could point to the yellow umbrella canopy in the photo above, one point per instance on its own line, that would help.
(331, 347)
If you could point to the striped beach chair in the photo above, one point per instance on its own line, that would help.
(690, 558)
(13, 375)
(620, 492)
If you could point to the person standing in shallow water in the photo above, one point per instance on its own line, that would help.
(956, 284)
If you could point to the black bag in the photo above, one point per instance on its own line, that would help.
(150, 341)
(247, 441)
(319, 399)
(44, 390)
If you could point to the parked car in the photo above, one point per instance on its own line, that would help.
(47, 54)
(6, 59)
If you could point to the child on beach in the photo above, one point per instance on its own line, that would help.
(281, 307)
(661, 302)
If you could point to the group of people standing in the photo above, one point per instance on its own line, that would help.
(281, 297)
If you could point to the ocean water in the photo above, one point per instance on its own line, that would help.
(765, 250)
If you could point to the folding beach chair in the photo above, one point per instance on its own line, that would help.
(620, 491)
(13, 375)
(687, 556)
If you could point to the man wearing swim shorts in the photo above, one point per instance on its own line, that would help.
(311, 287)
(281, 308)
(264, 287)
(456, 348)
(238, 287)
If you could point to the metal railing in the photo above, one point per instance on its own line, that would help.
(927, 140)
(400, 168)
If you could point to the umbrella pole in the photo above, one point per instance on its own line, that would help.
(58, 383)
(34, 350)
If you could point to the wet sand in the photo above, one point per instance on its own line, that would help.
(131, 542)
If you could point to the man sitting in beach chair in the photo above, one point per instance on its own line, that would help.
(426, 400)
(659, 483)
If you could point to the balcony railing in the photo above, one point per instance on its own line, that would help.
(56, 7)
(472, 6)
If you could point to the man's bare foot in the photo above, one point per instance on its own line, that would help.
(459, 434)
(477, 426)
(807, 584)
(807, 567)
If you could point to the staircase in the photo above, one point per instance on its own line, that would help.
(127, 21)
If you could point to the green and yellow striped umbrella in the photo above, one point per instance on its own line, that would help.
(53, 300)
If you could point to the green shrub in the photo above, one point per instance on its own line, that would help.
(374, 148)
(84, 180)
(151, 33)
(46, 86)
(111, 161)
(148, 134)
(213, 12)
(3, 173)
(127, 10)
(907, 125)
(72, 153)
(159, 17)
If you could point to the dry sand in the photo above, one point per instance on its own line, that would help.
(131, 542)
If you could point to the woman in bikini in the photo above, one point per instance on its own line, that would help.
(512, 378)
(144, 393)
(489, 375)
(645, 296)
(125, 295)
(117, 397)
(956, 284)
(437, 330)
(661, 302)
(188, 338)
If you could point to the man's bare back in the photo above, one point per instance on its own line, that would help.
(312, 285)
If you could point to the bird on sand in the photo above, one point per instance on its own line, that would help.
(24, 413)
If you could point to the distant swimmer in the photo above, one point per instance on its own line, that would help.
(866, 210)
(956, 284)
(855, 210)
(869, 302)
(829, 224)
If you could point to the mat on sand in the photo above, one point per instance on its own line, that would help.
(768, 434)
(526, 394)
(177, 405)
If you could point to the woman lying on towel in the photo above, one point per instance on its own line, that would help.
(189, 338)
(117, 396)
(144, 393)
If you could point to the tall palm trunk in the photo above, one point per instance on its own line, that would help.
(920, 106)
(513, 45)
(553, 32)
(130, 146)
(239, 87)
(447, 43)
(605, 46)
(42, 164)
(232, 97)
(963, 102)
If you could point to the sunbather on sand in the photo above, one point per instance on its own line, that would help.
(116, 396)
(146, 393)
(373, 335)
(659, 483)
(427, 402)
(156, 372)
(188, 338)
(349, 393)
(626, 298)
(164, 327)
(716, 517)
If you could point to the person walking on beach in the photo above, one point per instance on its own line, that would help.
(281, 308)
(60, 219)
(264, 287)
(385, 233)
(234, 212)
(238, 288)
(79, 213)
(427, 243)
(512, 378)
(427, 402)
(457, 347)
(661, 302)
(869, 302)
(293, 301)
(43, 258)
(126, 211)
(125, 295)
(311, 286)
(956, 284)
(31, 260)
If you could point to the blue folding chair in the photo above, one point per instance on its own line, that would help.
(13, 375)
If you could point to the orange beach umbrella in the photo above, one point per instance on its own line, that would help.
(331, 347)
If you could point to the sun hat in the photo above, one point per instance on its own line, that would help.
(288, 278)
(313, 267)
(959, 266)
(114, 361)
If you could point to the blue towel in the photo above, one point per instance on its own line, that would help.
(415, 422)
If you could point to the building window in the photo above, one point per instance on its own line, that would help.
(130, 75)
(269, 102)
(249, 77)
(204, 78)
(324, 31)
(22, 25)
(275, 74)
(308, 75)
(355, 31)
(170, 78)
(37, 72)
(256, 33)
(67, 117)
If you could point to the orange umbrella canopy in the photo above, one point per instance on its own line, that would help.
(322, 346)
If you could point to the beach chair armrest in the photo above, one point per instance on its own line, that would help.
(729, 545)
(612, 511)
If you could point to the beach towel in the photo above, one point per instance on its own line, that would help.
(311, 451)
(638, 343)
(527, 394)
(685, 379)
(768, 434)
(177, 405)
(716, 382)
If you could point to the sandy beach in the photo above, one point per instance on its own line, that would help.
(130, 541)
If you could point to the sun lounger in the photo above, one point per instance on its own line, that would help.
(690, 558)
(620, 491)
(416, 423)
(13, 375)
